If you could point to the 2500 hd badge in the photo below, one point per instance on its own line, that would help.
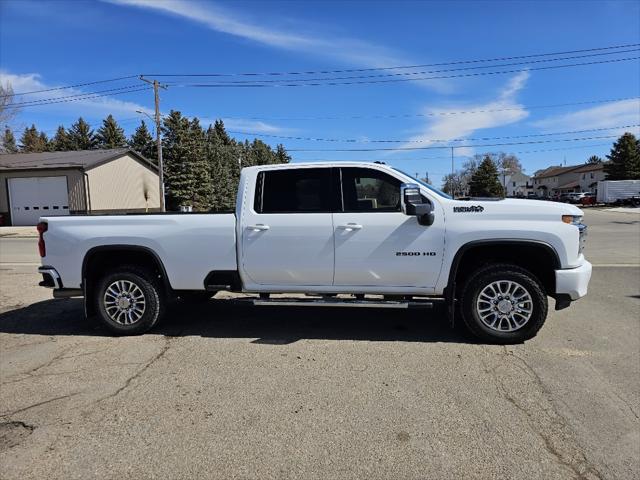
(415, 254)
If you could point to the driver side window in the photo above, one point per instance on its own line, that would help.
(367, 190)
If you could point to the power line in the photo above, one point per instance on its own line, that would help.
(438, 147)
(70, 86)
(353, 140)
(426, 114)
(371, 69)
(395, 80)
(407, 74)
(607, 49)
(21, 104)
(401, 159)
(88, 96)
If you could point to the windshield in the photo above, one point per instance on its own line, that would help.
(424, 184)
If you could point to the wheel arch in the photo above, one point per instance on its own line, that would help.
(109, 256)
(540, 258)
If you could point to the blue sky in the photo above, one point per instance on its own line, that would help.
(51, 44)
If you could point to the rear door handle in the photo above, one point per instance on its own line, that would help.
(258, 227)
(349, 227)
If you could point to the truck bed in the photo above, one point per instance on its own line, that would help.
(190, 245)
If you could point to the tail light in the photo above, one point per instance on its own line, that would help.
(42, 227)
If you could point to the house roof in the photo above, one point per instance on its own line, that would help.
(83, 159)
(554, 171)
(573, 184)
(590, 167)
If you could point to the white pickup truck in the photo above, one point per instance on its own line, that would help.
(345, 234)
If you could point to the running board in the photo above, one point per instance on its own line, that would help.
(340, 302)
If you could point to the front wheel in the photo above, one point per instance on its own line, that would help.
(129, 300)
(503, 304)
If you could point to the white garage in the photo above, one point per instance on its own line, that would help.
(34, 185)
(33, 197)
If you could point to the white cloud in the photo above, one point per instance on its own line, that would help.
(623, 112)
(245, 125)
(89, 106)
(102, 106)
(347, 50)
(504, 110)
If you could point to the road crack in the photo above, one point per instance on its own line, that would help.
(145, 367)
(535, 402)
(34, 405)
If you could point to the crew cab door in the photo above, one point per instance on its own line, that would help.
(375, 243)
(287, 228)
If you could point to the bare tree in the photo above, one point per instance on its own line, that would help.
(7, 112)
(509, 164)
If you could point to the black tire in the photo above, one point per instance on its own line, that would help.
(503, 272)
(149, 286)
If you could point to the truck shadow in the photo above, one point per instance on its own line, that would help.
(264, 325)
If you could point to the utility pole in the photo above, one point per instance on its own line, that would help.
(156, 86)
(453, 194)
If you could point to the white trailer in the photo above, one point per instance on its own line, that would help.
(612, 191)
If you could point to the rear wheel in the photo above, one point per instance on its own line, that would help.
(503, 304)
(129, 300)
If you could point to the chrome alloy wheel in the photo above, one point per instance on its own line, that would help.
(504, 306)
(124, 302)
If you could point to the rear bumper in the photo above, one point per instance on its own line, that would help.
(50, 277)
(573, 282)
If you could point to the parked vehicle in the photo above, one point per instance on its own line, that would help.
(618, 191)
(576, 197)
(342, 233)
(589, 198)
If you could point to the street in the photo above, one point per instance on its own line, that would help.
(227, 391)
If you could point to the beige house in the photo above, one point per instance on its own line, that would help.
(589, 175)
(33, 185)
(554, 181)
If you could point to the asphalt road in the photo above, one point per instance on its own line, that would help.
(19, 250)
(221, 391)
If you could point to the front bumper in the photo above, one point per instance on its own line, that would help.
(573, 282)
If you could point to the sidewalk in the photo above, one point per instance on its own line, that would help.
(18, 232)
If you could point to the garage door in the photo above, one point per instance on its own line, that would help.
(32, 198)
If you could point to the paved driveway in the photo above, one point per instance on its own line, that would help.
(222, 391)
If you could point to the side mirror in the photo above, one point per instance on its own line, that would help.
(411, 204)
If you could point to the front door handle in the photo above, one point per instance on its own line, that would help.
(259, 227)
(350, 227)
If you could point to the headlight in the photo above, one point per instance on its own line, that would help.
(572, 219)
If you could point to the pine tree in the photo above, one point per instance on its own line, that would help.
(281, 155)
(624, 159)
(62, 142)
(187, 171)
(81, 135)
(9, 141)
(45, 145)
(110, 134)
(200, 169)
(33, 141)
(260, 153)
(142, 142)
(484, 182)
(223, 167)
(593, 159)
(221, 132)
